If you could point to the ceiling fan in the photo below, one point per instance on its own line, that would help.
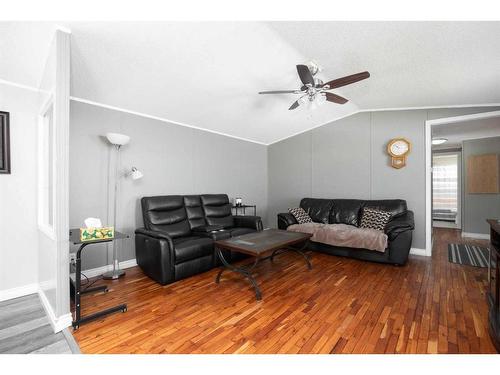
(314, 91)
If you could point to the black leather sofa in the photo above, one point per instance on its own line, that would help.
(348, 211)
(177, 240)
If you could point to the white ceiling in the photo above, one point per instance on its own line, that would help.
(208, 74)
(24, 49)
(458, 132)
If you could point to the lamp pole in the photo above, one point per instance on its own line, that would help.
(116, 272)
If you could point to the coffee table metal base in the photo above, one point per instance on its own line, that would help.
(246, 270)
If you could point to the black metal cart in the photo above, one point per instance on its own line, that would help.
(74, 237)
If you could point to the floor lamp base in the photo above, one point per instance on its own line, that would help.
(113, 275)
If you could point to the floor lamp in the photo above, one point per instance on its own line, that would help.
(118, 140)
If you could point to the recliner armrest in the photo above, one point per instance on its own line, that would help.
(155, 234)
(400, 224)
(253, 222)
(207, 228)
(286, 219)
(154, 251)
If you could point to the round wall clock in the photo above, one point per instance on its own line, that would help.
(398, 149)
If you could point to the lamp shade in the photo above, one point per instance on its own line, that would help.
(118, 139)
(136, 174)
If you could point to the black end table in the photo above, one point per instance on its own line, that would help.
(74, 238)
(243, 207)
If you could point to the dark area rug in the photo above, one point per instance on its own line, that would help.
(469, 255)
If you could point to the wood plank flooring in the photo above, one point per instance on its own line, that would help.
(340, 306)
(24, 328)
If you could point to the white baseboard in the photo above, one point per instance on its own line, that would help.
(57, 323)
(18, 292)
(480, 236)
(93, 272)
(420, 252)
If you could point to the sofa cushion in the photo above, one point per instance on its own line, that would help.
(166, 214)
(192, 247)
(194, 211)
(395, 206)
(300, 215)
(374, 219)
(217, 210)
(346, 211)
(318, 209)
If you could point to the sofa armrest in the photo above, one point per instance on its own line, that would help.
(286, 219)
(400, 224)
(154, 251)
(253, 222)
(155, 234)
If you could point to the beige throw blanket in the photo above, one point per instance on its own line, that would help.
(343, 235)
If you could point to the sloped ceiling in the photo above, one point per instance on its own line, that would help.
(208, 74)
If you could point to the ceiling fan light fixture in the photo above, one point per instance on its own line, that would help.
(318, 82)
(320, 99)
(314, 90)
(439, 141)
(313, 67)
(302, 100)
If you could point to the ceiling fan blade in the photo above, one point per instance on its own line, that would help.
(331, 97)
(294, 105)
(279, 92)
(305, 75)
(347, 80)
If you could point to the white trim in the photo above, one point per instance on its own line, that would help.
(428, 162)
(420, 252)
(162, 119)
(433, 107)
(19, 291)
(93, 272)
(18, 85)
(318, 126)
(480, 236)
(57, 323)
(387, 110)
(63, 29)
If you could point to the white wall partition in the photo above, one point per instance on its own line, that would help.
(53, 156)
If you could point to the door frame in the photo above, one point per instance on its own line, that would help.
(428, 165)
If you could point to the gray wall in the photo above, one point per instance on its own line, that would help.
(479, 207)
(174, 160)
(347, 159)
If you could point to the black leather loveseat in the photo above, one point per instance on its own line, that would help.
(348, 211)
(177, 240)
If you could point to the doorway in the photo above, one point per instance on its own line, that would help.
(446, 189)
(454, 131)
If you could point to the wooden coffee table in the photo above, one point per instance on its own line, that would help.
(261, 245)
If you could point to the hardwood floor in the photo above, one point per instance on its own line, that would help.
(340, 306)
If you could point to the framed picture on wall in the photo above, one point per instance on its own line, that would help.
(4, 143)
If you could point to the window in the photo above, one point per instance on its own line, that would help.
(445, 187)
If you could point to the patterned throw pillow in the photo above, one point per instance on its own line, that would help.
(300, 215)
(374, 219)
